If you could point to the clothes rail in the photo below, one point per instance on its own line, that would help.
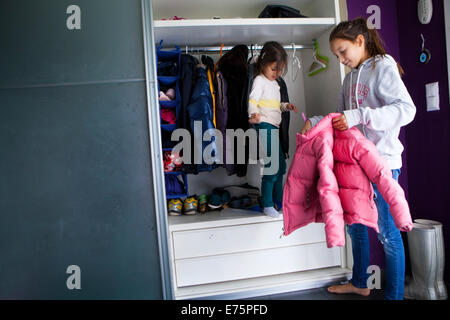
(250, 47)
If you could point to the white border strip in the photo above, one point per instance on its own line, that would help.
(447, 37)
(155, 151)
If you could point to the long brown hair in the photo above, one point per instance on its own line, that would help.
(350, 30)
(271, 52)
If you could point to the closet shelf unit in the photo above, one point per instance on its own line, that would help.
(171, 58)
(201, 32)
(233, 254)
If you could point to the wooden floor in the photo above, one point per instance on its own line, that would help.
(321, 294)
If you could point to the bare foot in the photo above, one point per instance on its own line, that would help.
(349, 288)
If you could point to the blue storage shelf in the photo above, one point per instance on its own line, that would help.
(168, 104)
(167, 80)
(171, 80)
(175, 173)
(169, 127)
(178, 195)
(166, 55)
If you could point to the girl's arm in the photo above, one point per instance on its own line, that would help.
(286, 106)
(255, 96)
(398, 108)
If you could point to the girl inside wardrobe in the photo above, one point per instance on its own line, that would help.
(375, 100)
(265, 107)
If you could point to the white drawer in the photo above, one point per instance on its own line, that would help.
(240, 238)
(252, 264)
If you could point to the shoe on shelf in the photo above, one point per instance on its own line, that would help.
(202, 203)
(190, 205)
(175, 207)
(242, 202)
(219, 199)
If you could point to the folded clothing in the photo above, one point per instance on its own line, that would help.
(173, 184)
(174, 18)
(167, 68)
(166, 137)
(169, 95)
(172, 161)
(168, 116)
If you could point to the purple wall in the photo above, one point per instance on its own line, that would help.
(425, 173)
(428, 136)
(389, 34)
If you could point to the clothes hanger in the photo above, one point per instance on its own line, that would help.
(220, 56)
(199, 59)
(295, 63)
(255, 53)
(320, 63)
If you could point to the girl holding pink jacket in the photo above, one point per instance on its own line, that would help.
(375, 100)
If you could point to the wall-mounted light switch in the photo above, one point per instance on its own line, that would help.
(432, 93)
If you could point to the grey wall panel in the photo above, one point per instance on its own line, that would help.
(37, 47)
(75, 164)
(75, 189)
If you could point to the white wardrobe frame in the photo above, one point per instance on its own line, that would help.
(205, 32)
(447, 36)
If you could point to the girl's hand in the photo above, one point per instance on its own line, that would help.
(255, 118)
(291, 107)
(306, 127)
(340, 123)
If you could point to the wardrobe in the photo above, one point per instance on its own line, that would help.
(233, 253)
(82, 180)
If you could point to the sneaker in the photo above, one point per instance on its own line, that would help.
(242, 202)
(175, 207)
(190, 205)
(202, 203)
(218, 199)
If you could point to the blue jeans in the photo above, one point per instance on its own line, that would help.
(394, 251)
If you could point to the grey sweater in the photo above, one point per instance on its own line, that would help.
(379, 107)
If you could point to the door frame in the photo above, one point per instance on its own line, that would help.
(159, 192)
(447, 36)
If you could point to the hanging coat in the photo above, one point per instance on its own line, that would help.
(188, 65)
(200, 109)
(330, 179)
(233, 67)
(187, 83)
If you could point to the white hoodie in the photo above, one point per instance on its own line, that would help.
(380, 106)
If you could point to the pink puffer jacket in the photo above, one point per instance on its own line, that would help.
(329, 181)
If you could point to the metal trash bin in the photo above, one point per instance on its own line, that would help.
(427, 256)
